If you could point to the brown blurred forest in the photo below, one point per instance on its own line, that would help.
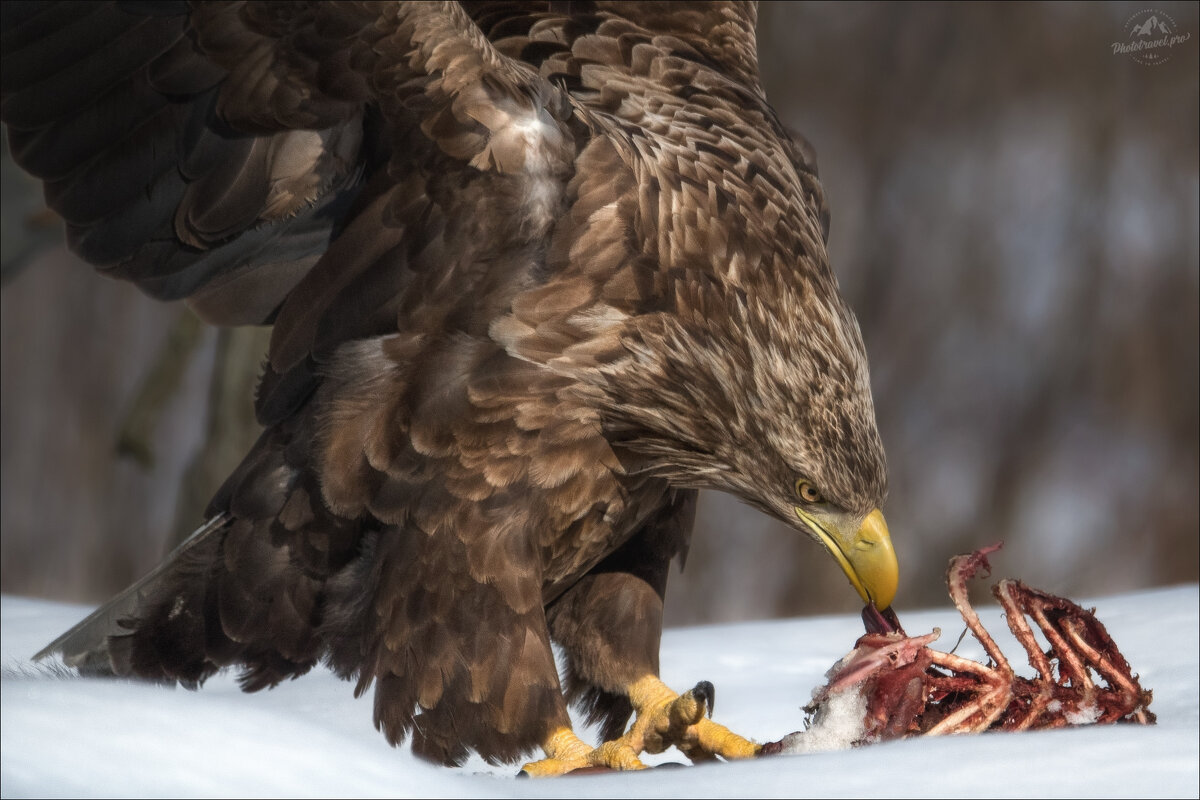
(1015, 221)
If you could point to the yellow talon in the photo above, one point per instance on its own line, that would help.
(565, 752)
(663, 719)
(616, 755)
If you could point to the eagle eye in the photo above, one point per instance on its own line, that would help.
(806, 492)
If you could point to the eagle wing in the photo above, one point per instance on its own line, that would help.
(181, 171)
(214, 153)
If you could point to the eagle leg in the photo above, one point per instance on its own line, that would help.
(664, 718)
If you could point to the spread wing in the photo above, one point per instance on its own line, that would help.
(216, 152)
(185, 153)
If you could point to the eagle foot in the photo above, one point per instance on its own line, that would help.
(566, 752)
(664, 719)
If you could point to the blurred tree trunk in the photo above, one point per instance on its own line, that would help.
(135, 437)
(232, 428)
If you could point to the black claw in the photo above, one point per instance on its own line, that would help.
(706, 693)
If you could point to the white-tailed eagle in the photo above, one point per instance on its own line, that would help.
(537, 272)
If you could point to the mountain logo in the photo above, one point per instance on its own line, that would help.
(1151, 27)
(1149, 36)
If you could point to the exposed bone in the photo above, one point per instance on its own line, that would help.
(909, 689)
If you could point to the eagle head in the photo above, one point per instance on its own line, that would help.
(761, 388)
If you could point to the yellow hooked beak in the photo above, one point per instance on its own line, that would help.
(866, 556)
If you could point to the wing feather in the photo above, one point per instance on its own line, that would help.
(162, 175)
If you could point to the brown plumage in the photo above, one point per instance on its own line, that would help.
(537, 272)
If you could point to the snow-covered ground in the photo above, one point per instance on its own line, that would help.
(69, 737)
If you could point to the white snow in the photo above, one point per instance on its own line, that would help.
(838, 726)
(1084, 716)
(71, 737)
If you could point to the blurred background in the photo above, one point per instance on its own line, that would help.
(1015, 222)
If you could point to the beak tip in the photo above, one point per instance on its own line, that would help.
(875, 564)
